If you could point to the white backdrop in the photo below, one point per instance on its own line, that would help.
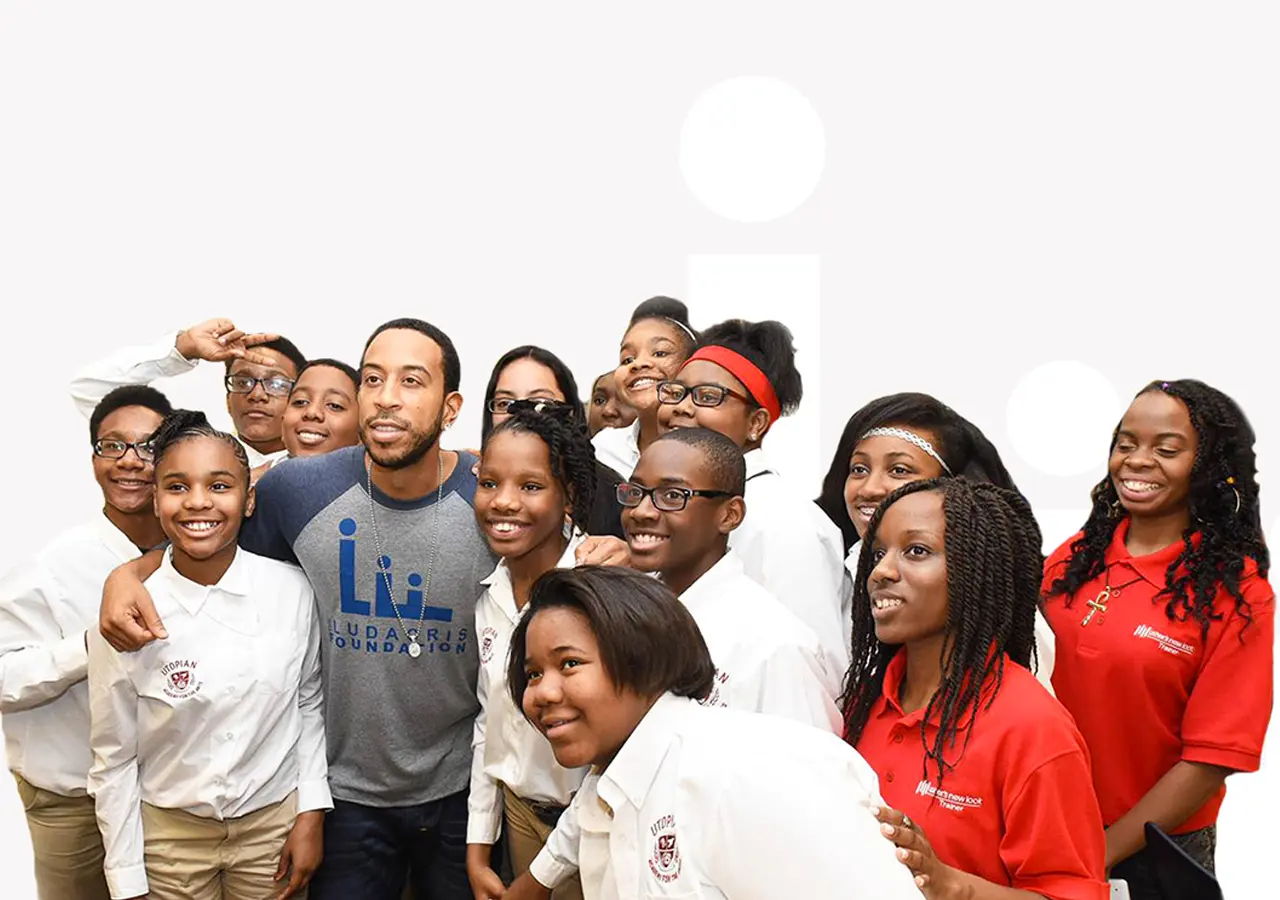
(1028, 212)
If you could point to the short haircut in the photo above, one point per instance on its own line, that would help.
(448, 354)
(285, 348)
(770, 348)
(724, 459)
(962, 444)
(127, 395)
(565, 382)
(673, 311)
(649, 643)
(184, 424)
(338, 364)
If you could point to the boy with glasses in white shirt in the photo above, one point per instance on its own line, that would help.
(46, 607)
(260, 372)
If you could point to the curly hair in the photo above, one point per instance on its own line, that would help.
(184, 424)
(1223, 475)
(573, 459)
(992, 548)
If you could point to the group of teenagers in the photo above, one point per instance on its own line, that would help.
(614, 652)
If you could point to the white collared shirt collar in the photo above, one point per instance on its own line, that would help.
(114, 539)
(192, 596)
(499, 580)
(726, 570)
(634, 768)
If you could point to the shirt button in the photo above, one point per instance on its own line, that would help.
(888, 776)
(897, 738)
(228, 735)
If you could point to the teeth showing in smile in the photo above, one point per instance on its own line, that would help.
(131, 482)
(199, 526)
(505, 527)
(644, 382)
(311, 437)
(1140, 487)
(867, 511)
(647, 539)
(886, 602)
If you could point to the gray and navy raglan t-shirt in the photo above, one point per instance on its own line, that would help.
(398, 728)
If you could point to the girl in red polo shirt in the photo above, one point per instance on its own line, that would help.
(986, 773)
(1165, 622)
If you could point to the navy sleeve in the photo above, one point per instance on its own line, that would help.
(291, 494)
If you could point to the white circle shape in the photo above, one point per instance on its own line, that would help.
(752, 149)
(1060, 417)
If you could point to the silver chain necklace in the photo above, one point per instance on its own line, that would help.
(415, 649)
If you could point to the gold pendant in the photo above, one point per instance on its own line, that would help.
(1097, 604)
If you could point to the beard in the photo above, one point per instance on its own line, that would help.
(420, 444)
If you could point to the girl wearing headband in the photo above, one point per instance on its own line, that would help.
(898, 439)
(1166, 619)
(739, 382)
(658, 340)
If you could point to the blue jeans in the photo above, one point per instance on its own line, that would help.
(372, 853)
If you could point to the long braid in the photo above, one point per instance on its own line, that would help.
(573, 459)
(992, 547)
(1225, 468)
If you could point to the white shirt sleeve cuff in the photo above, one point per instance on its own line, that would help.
(549, 871)
(313, 795)
(71, 658)
(127, 881)
(483, 828)
(174, 363)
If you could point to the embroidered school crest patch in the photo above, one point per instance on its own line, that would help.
(719, 690)
(488, 638)
(180, 679)
(664, 856)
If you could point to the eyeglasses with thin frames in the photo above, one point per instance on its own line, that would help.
(509, 405)
(666, 498)
(275, 385)
(705, 395)
(109, 448)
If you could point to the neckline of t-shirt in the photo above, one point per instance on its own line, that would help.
(452, 483)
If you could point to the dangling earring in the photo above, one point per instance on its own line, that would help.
(1116, 510)
(1231, 483)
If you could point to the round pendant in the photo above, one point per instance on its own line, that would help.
(415, 651)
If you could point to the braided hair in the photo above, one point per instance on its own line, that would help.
(573, 459)
(1224, 473)
(992, 547)
(184, 424)
(962, 444)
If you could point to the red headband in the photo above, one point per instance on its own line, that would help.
(743, 369)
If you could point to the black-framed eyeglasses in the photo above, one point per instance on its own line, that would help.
(275, 385)
(666, 498)
(109, 448)
(509, 405)
(706, 395)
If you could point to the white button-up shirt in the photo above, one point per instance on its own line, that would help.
(1046, 644)
(506, 748)
(143, 365)
(767, 661)
(46, 606)
(220, 720)
(619, 448)
(717, 804)
(788, 545)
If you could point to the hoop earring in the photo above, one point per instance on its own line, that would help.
(1237, 493)
(1115, 511)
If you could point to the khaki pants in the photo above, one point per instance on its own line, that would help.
(66, 844)
(193, 858)
(526, 836)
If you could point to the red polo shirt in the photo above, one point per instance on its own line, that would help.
(1148, 692)
(1016, 809)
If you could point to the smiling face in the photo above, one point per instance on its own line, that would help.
(520, 505)
(322, 414)
(1153, 455)
(681, 545)
(257, 415)
(652, 351)
(607, 409)
(127, 483)
(739, 420)
(908, 585)
(403, 403)
(879, 466)
(202, 496)
(571, 697)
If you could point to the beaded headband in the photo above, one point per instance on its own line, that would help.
(911, 438)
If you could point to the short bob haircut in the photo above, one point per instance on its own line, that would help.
(649, 643)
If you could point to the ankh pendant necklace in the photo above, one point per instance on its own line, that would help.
(1099, 603)
(415, 649)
